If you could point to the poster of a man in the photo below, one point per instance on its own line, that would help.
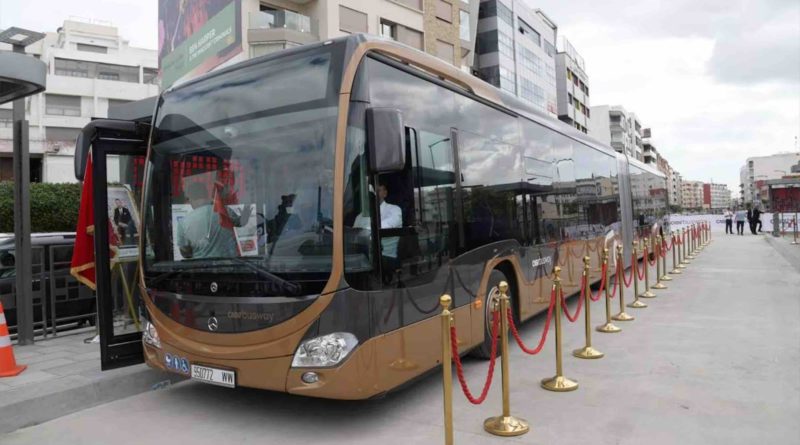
(124, 215)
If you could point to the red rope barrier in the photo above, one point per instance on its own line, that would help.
(597, 296)
(460, 370)
(574, 318)
(636, 264)
(616, 281)
(628, 282)
(543, 338)
(647, 257)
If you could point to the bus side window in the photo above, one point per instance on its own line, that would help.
(427, 204)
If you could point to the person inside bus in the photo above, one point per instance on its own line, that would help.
(391, 218)
(200, 234)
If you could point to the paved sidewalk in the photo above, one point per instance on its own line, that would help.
(64, 376)
(715, 359)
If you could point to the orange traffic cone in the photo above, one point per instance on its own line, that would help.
(8, 366)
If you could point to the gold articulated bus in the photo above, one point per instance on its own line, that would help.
(302, 213)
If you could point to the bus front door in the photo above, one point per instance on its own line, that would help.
(116, 150)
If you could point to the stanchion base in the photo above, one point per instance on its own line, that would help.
(622, 316)
(506, 426)
(658, 285)
(665, 278)
(677, 271)
(402, 364)
(647, 294)
(637, 304)
(587, 352)
(683, 265)
(559, 384)
(608, 328)
(794, 243)
(691, 256)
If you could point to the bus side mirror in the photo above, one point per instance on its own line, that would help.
(386, 140)
(120, 130)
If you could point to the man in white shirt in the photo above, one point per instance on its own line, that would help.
(728, 221)
(391, 218)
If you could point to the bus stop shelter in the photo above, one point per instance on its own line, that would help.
(21, 75)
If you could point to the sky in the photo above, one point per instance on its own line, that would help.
(717, 81)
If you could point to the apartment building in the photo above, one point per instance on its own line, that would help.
(757, 170)
(615, 126)
(716, 197)
(692, 195)
(444, 28)
(572, 87)
(516, 52)
(91, 68)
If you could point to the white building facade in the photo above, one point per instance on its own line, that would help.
(516, 52)
(445, 28)
(692, 195)
(572, 87)
(90, 68)
(759, 169)
(615, 126)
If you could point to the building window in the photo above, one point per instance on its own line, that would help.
(444, 11)
(410, 37)
(507, 81)
(530, 61)
(61, 134)
(6, 118)
(351, 20)
(463, 26)
(549, 48)
(528, 31)
(388, 29)
(58, 105)
(92, 48)
(505, 45)
(94, 70)
(445, 51)
(414, 4)
(150, 75)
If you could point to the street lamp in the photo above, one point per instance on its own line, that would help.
(21, 76)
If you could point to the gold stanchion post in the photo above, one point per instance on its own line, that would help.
(691, 254)
(664, 274)
(676, 248)
(587, 352)
(447, 368)
(657, 251)
(505, 424)
(647, 293)
(636, 304)
(608, 327)
(685, 241)
(622, 315)
(558, 383)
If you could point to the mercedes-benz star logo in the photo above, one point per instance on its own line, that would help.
(214, 287)
(213, 324)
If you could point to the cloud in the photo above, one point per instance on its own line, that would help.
(717, 80)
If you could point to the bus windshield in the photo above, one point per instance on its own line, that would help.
(240, 172)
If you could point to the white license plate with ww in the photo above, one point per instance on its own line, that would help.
(215, 376)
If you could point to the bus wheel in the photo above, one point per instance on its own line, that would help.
(484, 350)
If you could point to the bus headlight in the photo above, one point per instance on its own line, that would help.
(150, 335)
(327, 350)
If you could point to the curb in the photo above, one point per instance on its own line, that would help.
(75, 393)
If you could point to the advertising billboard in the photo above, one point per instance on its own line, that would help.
(195, 36)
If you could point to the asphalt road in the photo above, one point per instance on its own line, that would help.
(714, 359)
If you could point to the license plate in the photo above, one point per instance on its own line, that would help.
(215, 376)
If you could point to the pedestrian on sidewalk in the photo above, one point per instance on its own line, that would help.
(751, 223)
(728, 221)
(756, 220)
(741, 217)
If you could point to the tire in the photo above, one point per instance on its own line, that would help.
(484, 350)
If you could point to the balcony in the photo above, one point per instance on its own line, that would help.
(281, 27)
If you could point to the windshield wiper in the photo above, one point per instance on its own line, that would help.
(286, 286)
